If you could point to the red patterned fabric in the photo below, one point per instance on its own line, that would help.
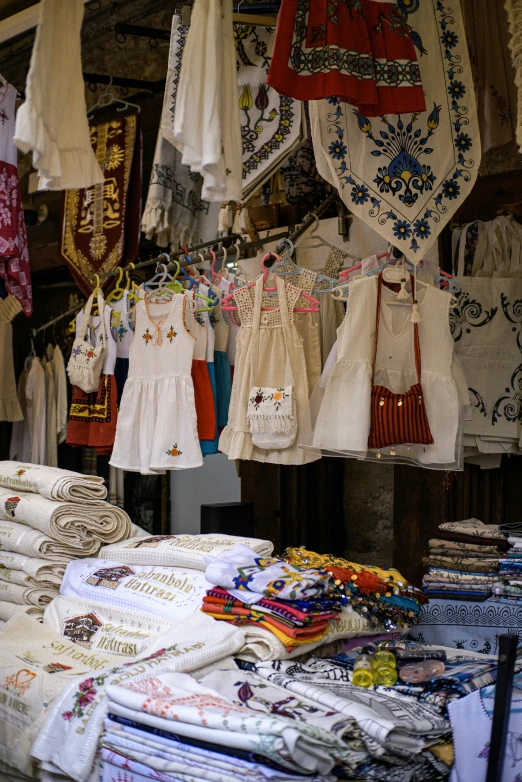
(360, 51)
(92, 417)
(14, 256)
(398, 419)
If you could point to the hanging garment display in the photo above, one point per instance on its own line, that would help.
(100, 224)
(342, 400)
(14, 256)
(93, 417)
(363, 52)
(174, 198)
(486, 327)
(203, 394)
(514, 11)
(206, 122)
(487, 35)
(10, 409)
(122, 335)
(406, 175)
(52, 123)
(273, 126)
(28, 436)
(55, 357)
(303, 183)
(87, 359)
(157, 425)
(221, 362)
(281, 363)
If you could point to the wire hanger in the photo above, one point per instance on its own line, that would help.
(107, 98)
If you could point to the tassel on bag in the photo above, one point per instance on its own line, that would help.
(403, 293)
(225, 220)
(415, 315)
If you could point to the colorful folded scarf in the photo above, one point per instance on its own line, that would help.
(282, 609)
(303, 634)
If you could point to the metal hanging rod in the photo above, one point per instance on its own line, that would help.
(257, 8)
(154, 33)
(223, 251)
(34, 332)
(121, 81)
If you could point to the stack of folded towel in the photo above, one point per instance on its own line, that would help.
(509, 585)
(48, 517)
(464, 560)
(293, 603)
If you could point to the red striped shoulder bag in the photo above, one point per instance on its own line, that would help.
(398, 419)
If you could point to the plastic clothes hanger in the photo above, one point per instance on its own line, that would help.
(303, 242)
(295, 269)
(107, 98)
(226, 300)
(155, 288)
(117, 292)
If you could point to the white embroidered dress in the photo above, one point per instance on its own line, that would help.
(281, 363)
(157, 425)
(343, 420)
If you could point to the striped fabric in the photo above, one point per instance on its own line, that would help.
(398, 419)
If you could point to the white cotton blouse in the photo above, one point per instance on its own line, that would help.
(52, 123)
(340, 404)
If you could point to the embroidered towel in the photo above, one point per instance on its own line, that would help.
(243, 571)
(405, 175)
(84, 528)
(52, 482)
(108, 629)
(20, 539)
(181, 550)
(8, 610)
(23, 595)
(180, 701)
(475, 528)
(21, 578)
(36, 664)
(169, 593)
(38, 569)
(174, 198)
(70, 735)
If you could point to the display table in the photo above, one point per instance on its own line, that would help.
(467, 625)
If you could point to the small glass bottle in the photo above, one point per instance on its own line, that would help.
(362, 669)
(384, 667)
(422, 672)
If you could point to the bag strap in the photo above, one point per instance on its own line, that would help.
(416, 341)
(85, 318)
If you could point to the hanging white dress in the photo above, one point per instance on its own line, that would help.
(281, 363)
(52, 123)
(157, 423)
(342, 408)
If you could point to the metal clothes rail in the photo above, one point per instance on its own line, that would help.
(47, 325)
(224, 252)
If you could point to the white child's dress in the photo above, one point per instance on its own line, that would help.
(157, 424)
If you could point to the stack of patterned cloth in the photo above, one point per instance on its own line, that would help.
(382, 597)
(464, 560)
(509, 585)
(293, 603)
(48, 517)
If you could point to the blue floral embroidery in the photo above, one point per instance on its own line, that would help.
(360, 194)
(451, 189)
(449, 39)
(463, 142)
(421, 228)
(402, 229)
(457, 90)
(337, 150)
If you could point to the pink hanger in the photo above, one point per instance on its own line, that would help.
(344, 275)
(225, 301)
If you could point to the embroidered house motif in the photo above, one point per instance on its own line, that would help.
(110, 577)
(10, 505)
(82, 629)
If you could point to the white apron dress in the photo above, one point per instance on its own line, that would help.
(343, 419)
(281, 362)
(157, 425)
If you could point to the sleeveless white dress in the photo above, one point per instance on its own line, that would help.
(157, 424)
(341, 406)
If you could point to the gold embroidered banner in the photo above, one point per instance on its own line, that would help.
(100, 224)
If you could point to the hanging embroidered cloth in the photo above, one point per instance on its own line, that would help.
(100, 224)
(405, 175)
(362, 51)
(14, 256)
(273, 126)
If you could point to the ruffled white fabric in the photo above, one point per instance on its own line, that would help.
(52, 123)
(514, 10)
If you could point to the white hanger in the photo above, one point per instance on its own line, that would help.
(107, 98)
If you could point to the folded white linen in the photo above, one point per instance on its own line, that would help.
(83, 527)
(39, 569)
(8, 610)
(69, 736)
(21, 578)
(20, 539)
(108, 629)
(52, 482)
(181, 550)
(36, 664)
(26, 595)
(182, 703)
(169, 593)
